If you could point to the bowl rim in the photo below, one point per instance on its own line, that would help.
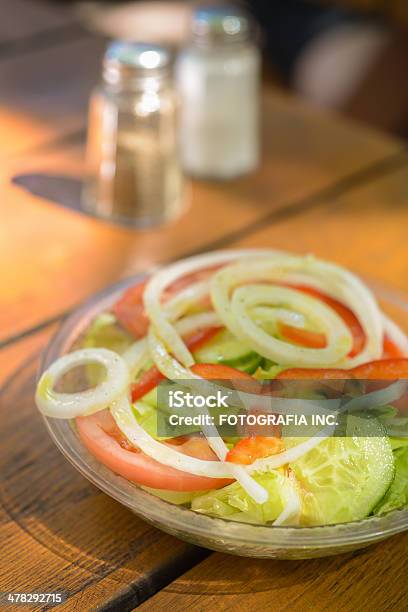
(178, 518)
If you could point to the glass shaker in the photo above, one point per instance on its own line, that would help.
(218, 78)
(133, 170)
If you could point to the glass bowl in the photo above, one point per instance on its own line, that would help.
(217, 534)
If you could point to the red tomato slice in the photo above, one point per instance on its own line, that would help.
(246, 451)
(345, 313)
(104, 440)
(302, 336)
(216, 371)
(148, 381)
(382, 369)
(152, 377)
(315, 374)
(391, 350)
(129, 311)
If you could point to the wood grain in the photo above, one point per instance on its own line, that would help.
(13, 356)
(364, 229)
(325, 185)
(220, 582)
(58, 532)
(44, 93)
(43, 246)
(374, 579)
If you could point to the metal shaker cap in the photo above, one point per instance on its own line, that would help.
(225, 24)
(125, 62)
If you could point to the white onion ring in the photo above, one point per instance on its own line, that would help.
(172, 369)
(125, 420)
(165, 277)
(70, 405)
(136, 356)
(339, 339)
(329, 278)
(127, 423)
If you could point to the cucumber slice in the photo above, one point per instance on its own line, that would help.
(224, 348)
(343, 478)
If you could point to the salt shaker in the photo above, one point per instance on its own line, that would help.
(133, 169)
(218, 78)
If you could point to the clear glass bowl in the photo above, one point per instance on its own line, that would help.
(214, 533)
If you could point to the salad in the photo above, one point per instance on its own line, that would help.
(262, 321)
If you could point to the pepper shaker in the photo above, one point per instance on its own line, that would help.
(133, 169)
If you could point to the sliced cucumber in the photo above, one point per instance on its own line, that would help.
(224, 348)
(343, 478)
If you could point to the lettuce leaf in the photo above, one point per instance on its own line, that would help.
(398, 442)
(233, 502)
(174, 497)
(397, 495)
(104, 332)
(147, 417)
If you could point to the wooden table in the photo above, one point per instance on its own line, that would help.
(325, 185)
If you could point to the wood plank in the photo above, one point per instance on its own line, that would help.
(44, 524)
(49, 248)
(364, 230)
(12, 357)
(83, 543)
(370, 580)
(45, 93)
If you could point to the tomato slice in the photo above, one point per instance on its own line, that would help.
(302, 336)
(104, 440)
(390, 349)
(246, 451)
(129, 311)
(148, 381)
(152, 377)
(315, 374)
(345, 313)
(381, 369)
(216, 371)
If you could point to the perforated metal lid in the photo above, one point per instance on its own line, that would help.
(125, 61)
(220, 25)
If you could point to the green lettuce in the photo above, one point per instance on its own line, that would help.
(397, 494)
(233, 502)
(104, 332)
(179, 498)
(147, 416)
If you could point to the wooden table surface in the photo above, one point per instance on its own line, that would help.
(325, 185)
